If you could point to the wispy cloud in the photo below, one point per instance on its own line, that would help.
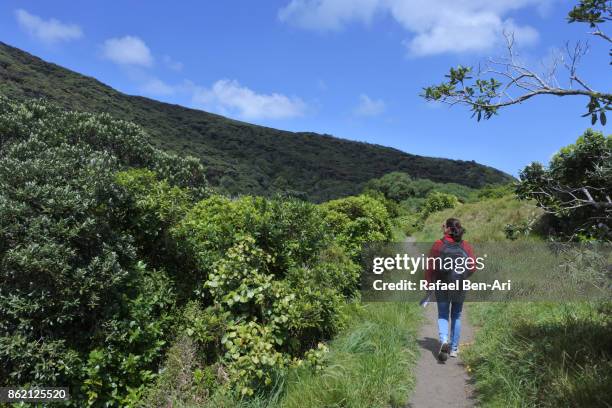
(448, 26)
(128, 50)
(369, 107)
(229, 97)
(48, 31)
(172, 64)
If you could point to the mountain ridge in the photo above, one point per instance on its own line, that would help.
(239, 157)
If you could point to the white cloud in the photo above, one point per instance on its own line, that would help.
(49, 31)
(369, 107)
(446, 26)
(157, 87)
(322, 15)
(127, 50)
(172, 64)
(230, 98)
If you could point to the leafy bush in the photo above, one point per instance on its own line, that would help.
(395, 186)
(437, 201)
(131, 343)
(290, 231)
(73, 292)
(270, 323)
(495, 191)
(355, 221)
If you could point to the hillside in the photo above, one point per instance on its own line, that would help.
(241, 157)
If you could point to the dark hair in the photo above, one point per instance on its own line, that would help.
(456, 230)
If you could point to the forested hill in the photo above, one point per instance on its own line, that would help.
(241, 157)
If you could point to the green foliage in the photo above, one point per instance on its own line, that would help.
(269, 268)
(395, 186)
(356, 221)
(291, 231)
(437, 201)
(480, 93)
(131, 343)
(240, 158)
(576, 187)
(592, 12)
(152, 208)
(498, 191)
(270, 321)
(400, 188)
(107, 262)
(73, 293)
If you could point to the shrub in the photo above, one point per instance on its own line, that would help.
(356, 221)
(437, 202)
(73, 293)
(495, 191)
(290, 231)
(395, 186)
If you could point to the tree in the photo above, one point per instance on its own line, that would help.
(506, 81)
(576, 187)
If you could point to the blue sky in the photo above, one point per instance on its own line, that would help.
(350, 68)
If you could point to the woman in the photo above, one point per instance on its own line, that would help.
(449, 302)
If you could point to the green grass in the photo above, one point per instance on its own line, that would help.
(368, 365)
(542, 354)
(484, 221)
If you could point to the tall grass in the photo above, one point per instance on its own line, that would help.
(542, 354)
(369, 365)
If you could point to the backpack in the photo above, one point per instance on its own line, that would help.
(454, 251)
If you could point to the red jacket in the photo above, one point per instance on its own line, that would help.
(430, 273)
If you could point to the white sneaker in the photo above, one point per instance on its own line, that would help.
(453, 353)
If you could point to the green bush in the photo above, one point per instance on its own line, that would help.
(73, 292)
(495, 191)
(291, 231)
(437, 201)
(131, 343)
(356, 221)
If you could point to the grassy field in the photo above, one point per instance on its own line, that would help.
(537, 354)
(483, 221)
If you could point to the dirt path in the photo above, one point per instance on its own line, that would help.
(441, 385)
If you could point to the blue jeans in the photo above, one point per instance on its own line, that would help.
(448, 306)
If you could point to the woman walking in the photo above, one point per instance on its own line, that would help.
(450, 302)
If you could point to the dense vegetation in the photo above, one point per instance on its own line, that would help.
(114, 255)
(239, 157)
